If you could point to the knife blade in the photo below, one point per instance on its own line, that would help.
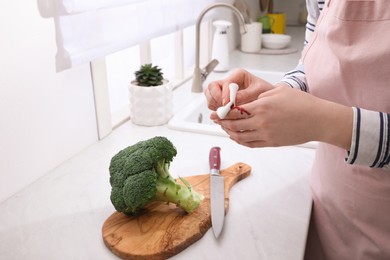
(217, 191)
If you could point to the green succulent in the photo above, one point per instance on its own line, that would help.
(149, 75)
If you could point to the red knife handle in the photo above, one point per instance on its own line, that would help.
(215, 158)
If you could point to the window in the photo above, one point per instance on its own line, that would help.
(120, 71)
(176, 61)
(100, 32)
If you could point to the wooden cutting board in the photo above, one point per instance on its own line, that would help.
(163, 230)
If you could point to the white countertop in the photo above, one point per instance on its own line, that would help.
(60, 216)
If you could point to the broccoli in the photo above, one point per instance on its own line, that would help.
(139, 174)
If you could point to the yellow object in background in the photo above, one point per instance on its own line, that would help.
(278, 22)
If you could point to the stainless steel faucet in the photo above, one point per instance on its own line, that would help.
(200, 75)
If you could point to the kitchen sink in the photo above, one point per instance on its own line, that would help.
(195, 117)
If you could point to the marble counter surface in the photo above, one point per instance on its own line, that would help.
(60, 216)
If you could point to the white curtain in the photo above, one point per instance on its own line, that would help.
(89, 29)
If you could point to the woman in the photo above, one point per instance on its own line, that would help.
(340, 96)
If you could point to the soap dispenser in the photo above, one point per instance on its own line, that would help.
(220, 50)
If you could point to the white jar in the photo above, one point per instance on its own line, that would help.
(251, 40)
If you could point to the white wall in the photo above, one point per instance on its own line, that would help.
(45, 117)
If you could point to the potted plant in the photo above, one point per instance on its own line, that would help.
(150, 97)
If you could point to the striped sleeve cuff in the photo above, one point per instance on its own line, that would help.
(370, 139)
(296, 78)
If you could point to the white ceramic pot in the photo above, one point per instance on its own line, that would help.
(150, 106)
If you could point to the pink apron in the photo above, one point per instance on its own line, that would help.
(348, 62)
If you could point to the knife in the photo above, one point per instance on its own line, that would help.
(217, 191)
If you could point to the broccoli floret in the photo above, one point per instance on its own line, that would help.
(139, 174)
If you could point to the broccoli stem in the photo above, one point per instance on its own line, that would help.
(168, 190)
(162, 168)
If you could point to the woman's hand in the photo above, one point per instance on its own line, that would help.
(285, 116)
(217, 92)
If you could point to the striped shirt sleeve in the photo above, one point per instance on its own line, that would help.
(370, 139)
(296, 78)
